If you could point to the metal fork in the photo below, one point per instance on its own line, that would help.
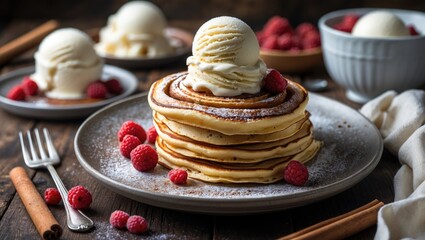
(76, 220)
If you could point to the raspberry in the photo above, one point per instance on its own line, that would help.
(52, 196)
(350, 19)
(30, 87)
(144, 158)
(118, 219)
(311, 40)
(347, 23)
(304, 28)
(296, 42)
(129, 143)
(96, 90)
(312, 34)
(285, 42)
(412, 30)
(274, 82)
(178, 176)
(152, 134)
(132, 128)
(277, 26)
(137, 224)
(79, 197)
(342, 27)
(113, 86)
(295, 50)
(16, 93)
(270, 42)
(295, 173)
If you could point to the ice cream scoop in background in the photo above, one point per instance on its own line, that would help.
(226, 58)
(380, 24)
(136, 30)
(65, 63)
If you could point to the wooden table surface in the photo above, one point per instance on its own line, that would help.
(163, 223)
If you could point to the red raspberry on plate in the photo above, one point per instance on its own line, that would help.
(127, 145)
(137, 224)
(132, 128)
(118, 219)
(152, 135)
(113, 86)
(277, 26)
(96, 90)
(52, 196)
(79, 197)
(144, 158)
(274, 82)
(16, 93)
(30, 86)
(271, 43)
(178, 176)
(295, 173)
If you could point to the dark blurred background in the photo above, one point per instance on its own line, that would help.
(254, 12)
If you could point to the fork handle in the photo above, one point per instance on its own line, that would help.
(76, 220)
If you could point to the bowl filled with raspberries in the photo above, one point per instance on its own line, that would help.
(369, 50)
(289, 48)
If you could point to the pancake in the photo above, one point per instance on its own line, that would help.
(253, 119)
(248, 138)
(263, 172)
(217, 138)
(237, 153)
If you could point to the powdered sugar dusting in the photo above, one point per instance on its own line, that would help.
(350, 151)
(104, 231)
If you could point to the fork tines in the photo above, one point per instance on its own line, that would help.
(37, 159)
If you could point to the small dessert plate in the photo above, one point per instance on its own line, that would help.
(181, 39)
(351, 150)
(61, 110)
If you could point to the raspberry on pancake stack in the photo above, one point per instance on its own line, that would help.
(218, 120)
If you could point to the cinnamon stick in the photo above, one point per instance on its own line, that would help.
(26, 41)
(341, 226)
(40, 214)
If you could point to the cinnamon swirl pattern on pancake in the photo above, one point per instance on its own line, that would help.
(238, 139)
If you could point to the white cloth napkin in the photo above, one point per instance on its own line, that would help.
(400, 119)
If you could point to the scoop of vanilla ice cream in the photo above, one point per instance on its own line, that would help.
(66, 63)
(136, 30)
(139, 17)
(380, 24)
(226, 58)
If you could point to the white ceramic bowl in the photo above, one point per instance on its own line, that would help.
(367, 67)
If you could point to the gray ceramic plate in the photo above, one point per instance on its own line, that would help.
(352, 148)
(44, 110)
(180, 38)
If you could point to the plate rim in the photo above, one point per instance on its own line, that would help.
(226, 204)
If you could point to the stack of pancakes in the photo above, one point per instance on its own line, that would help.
(247, 138)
